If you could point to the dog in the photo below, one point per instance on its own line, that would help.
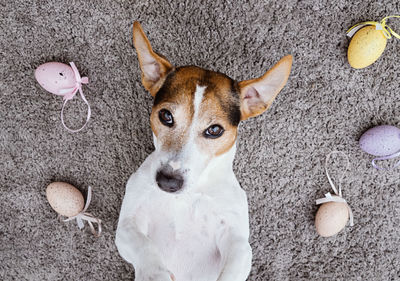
(184, 215)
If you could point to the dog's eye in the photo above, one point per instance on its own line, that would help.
(214, 131)
(166, 117)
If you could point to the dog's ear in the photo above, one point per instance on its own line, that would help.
(257, 95)
(154, 67)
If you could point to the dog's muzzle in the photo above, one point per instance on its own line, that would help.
(169, 181)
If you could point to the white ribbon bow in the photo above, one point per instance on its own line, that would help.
(82, 216)
(338, 192)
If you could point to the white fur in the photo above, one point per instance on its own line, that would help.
(199, 234)
(175, 165)
(198, 97)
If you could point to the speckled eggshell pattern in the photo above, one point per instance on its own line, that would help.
(366, 46)
(381, 140)
(65, 199)
(331, 218)
(54, 76)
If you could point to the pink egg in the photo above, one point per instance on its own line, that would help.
(381, 140)
(54, 76)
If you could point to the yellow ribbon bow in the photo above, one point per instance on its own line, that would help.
(387, 31)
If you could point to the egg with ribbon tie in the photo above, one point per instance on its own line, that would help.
(55, 76)
(63, 80)
(334, 212)
(68, 201)
(368, 42)
(383, 142)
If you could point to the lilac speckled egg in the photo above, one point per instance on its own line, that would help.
(381, 140)
(54, 76)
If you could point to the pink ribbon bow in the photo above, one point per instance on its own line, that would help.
(69, 94)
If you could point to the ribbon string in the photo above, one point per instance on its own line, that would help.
(387, 30)
(69, 94)
(83, 216)
(338, 191)
(394, 155)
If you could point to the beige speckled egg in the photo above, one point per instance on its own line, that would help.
(366, 46)
(65, 199)
(331, 218)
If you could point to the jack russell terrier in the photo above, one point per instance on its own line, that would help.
(184, 215)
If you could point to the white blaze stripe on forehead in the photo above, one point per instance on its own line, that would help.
(198, 97)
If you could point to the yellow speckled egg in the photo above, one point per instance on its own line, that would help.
(65, 199)
(366, 46)
(331, 218)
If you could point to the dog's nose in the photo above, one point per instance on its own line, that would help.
(169, 182)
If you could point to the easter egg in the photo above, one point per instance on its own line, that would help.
(54, 76)
(382, 140)
(331, 218)
(366, 46)
(65, 199)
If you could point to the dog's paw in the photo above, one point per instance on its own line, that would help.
(154, 274)
(123, 241)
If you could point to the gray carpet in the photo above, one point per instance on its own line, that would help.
(326, 105)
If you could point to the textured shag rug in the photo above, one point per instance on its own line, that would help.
(325, 106)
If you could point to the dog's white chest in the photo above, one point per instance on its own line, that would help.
(185, 232)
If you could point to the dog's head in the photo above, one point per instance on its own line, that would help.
(196, 112)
